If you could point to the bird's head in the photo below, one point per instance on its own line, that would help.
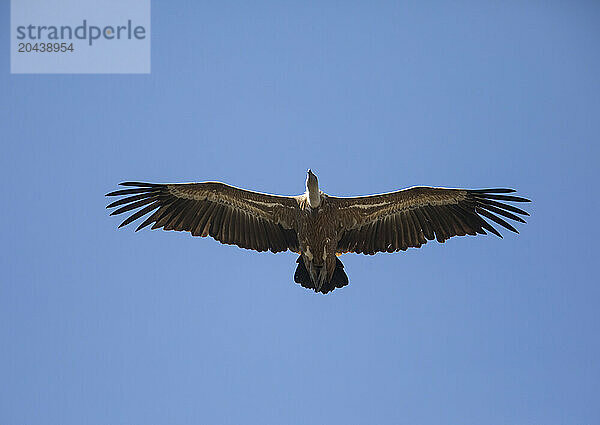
(312, 183)
(312, 187)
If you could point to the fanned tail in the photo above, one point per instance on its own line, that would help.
(338, 279)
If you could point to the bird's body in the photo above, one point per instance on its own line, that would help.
(315, 225)
(318, 236)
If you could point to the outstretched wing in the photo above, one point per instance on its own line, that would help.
(230, 215)
(408, 218)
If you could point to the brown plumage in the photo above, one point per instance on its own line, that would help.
(315, 225)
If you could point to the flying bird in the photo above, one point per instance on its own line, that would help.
(317, 226)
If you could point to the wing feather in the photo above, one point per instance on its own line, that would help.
(226, 228)
(424, 225)
(138, 214)
(170, 209)
(389, 234)
(215, 222)
(254, 240)
(502, 212)
(200, 229)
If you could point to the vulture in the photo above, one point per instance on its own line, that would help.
(317, 226)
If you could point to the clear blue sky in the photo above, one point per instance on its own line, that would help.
(104, 326)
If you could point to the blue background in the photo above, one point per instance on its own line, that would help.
(107, 326)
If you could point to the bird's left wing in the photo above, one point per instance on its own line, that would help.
(250, 220)
(408, 218)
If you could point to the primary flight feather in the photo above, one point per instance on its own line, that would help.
(315, 225)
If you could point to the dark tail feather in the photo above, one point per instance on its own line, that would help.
(338, 280)
(301, 276)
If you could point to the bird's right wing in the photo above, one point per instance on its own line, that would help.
(250, 220)
(408, 218)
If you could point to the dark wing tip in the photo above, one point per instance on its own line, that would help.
(137, 189)
(138, 184)
(494, 190)
(143, 197)
(488, 205)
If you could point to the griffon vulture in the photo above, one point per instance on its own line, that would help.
(315, 225)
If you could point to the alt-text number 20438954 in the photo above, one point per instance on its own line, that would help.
(45, 48)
